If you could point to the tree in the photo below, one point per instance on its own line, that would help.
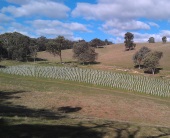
(151, 40)
(1, 50)
(83, 52)
(129, 45)
(16, 44)
(151, 61)
(96, 42)
(164, 39)
(55, 46)
(41, 43)
(34, 50)
(140, 55)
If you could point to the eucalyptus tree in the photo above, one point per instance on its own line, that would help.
(129, 44)
(164, 39)
(151, 40)
(96, 42)
(140, 55)
(83, 52)
(151, 60)
(41, 43)
(55, 46)
(16, 44)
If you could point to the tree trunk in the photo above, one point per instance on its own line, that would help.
(153, 71)
(60, 58)
(34, 59)
(139, 66)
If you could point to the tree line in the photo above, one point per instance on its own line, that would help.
(16, 46)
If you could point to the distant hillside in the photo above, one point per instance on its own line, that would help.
(115, 55)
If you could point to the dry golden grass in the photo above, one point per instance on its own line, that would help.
(115, 55)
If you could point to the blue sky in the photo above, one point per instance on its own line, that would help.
(87, 19)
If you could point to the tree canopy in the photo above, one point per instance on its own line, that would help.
(16, 45)
(151, 40)
(54, 46)
(83, 52)
(151, 60)
(164, 39)
(129, 45)
(140, 55)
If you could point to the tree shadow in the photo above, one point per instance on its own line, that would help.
(164, 132)
(69, 109)
(46, 131)
(30, 59)
(100, 47)
(157, 70)
(92, 129)
(90, 63)
(9, 109)
(141, 66)
(1, 66)
(121, 130)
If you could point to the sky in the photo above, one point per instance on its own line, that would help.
(87, 19)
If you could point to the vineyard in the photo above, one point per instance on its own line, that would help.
(142, 84)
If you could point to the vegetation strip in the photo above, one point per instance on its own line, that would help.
(85, 86)
(158, 87)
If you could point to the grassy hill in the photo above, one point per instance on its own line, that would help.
(44, 107)
(115, 56)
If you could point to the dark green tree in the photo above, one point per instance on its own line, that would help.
(1, 50)
(41, 43)
(140, 55)
(16, 44)
(151, 40)
(55, 46)
(96, 43)
(129, 44)
(84, 53)
(151, 61)
(164, 39)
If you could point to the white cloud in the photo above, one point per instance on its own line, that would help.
(39, 8)
(165, 33)
(153, 24)
(4, 18)
(121, 9)
(53, 28)
(126, 25)
(73, 26)
(21, 2)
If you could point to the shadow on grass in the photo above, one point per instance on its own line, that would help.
(36, 59)
(137, 66)
(69, 109)
(1, 66)
(157, 70)
(90, 63)
(46, 131)
(83, 129)
(9, 109)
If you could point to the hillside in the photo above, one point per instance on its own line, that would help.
(115, 55)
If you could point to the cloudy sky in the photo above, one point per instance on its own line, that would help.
(87, 19)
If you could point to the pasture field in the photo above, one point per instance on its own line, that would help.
(46, 99)
(37, 107)
(114, 57)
